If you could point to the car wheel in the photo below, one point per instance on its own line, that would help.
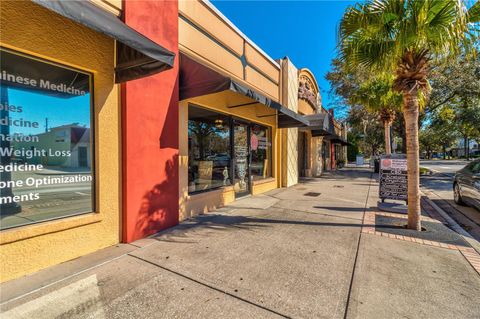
(457, 196)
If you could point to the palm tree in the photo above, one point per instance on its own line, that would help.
(401, 37)
(377, 97)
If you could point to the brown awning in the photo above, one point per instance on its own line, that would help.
(137, 56)
(336, 139)
(197, 80)
(322, 125)
(319, 124)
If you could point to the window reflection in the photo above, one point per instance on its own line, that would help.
(45, 140)
(261, 145)
(210, 164)
(209, 150)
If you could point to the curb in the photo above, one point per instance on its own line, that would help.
(433, 171)
(453, 224)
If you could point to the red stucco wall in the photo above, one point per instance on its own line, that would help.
(150, 129)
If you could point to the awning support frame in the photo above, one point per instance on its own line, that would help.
(240, 105)
(267, 115)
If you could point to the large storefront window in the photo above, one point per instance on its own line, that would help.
(260, 145)
(46, 140)
(209, 150)
(226, 151)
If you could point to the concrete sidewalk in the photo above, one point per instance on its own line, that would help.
(298, 252)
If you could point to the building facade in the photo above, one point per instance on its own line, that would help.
(113, 134)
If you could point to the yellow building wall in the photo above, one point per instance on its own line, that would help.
(30, 248)
(305, 108)
(260, 187)
(316, 156)
(313, 151)
(191, 205)
(213, 25)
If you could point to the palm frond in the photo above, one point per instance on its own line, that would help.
(473, 15)
(379, 33)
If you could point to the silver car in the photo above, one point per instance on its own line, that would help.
(466, 185)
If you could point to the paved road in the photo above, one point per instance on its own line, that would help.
(448, 167)
(439, 188)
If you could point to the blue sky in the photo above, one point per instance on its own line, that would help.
(37, 107)
(305, 31)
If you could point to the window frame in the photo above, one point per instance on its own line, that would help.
(93, 148)
(232, 119)
(269, 150)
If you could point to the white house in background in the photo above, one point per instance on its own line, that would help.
(458, 148)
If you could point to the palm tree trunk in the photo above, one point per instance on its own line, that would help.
(388, 145)
(410, 111)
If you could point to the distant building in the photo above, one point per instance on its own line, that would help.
(458, 149)
(71, 139)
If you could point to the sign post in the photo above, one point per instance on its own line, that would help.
(393, 177)
(360, 160)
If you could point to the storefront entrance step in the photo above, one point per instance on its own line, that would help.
(16, 288)
(254, 202)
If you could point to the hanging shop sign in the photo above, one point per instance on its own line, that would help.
(46, 140)
(393, 178)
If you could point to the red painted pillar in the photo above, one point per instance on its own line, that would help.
(332, 151)
(150, 129)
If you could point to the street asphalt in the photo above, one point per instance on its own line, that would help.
(439, 187)
(290, 253)
(448, 167)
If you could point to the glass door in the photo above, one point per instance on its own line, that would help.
(241, 153)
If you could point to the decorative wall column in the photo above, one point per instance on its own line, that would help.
(150, 129)
(289, 136)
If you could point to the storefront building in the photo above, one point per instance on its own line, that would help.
(61, 141)
(122, 118)
(311, 149)
(230, 101)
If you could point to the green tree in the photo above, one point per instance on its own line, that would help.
(366, 130)
(379, 98)
(467, 120)
(429, 141)
(456, 79)
(443, 124)
(401, 37)
(357, 88)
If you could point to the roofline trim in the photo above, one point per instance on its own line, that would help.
(236, 29)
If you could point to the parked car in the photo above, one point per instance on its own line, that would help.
(466, 185)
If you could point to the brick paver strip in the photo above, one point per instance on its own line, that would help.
(369, 227)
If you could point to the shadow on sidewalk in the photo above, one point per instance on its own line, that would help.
(341, 174)
(342, 209)
(219, 222)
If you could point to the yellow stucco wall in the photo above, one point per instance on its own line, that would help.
(305, 108)
(191, 205)
(205, 202)
(260, 187)
(45, 34)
